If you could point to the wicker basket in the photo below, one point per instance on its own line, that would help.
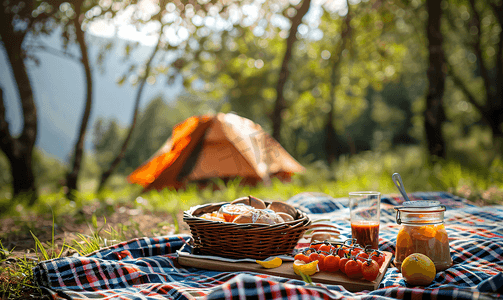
(233, 240)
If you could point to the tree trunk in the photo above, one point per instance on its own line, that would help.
(72, 176)
(19, 150)
(280, 104)
(20, 159)
(122, 152)
(495, 120)
(434, 115)
(331, 143)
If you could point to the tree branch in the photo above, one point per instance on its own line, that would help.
(72, 176)
(122, 151)
(284, 72)
(459, 82)
(54, 51)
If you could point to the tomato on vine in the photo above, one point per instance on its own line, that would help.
(331, 263)
(342, 264)
(378, 257)
(370, 270)
(342, 251)
(314, 256)
(355, 251)
(353, 268)
(321, 262)
(303, 257)
(362, 256)
(325, 248)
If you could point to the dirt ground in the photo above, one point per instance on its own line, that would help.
(15, 232)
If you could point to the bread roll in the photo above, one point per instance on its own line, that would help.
(232, 211)
(244, 200)
(283, 207)
(258, 217)
(320, 237)
(286, 217)
(213, 217)
(244, 218)
(252, 201)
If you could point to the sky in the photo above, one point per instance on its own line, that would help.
(59, 84)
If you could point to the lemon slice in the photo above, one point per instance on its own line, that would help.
(269, 264)
(307, 269)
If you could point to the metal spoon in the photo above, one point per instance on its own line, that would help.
(397, 179)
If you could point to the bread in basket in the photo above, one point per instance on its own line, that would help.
(246, 240)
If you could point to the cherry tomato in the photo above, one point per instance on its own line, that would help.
(378, 257)
(355, 251)
(362, 256)
(370, 270)
(342, 264)
(303, 257)
(353, 268)
(315, 246)
(342, 252)
(332, 263)
(314, 256)
(321, 262)
(325, 248)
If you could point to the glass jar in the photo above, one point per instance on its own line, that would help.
(422, 231)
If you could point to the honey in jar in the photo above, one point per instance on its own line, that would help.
(422, 230)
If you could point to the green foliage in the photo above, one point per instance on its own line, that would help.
(306, 278)
(98, 238)
(107, 137)
(16, 281)
(472, 35)
(16, 278)
(242, 70)
(52, 245)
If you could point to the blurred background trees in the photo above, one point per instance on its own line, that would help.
(327, 79)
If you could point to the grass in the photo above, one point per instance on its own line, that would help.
(366, 171)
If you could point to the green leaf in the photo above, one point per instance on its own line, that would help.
(306, 278)
(40, 246)
(94, 221)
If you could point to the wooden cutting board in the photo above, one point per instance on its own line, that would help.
(286, 270)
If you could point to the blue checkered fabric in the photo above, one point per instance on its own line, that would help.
(147, 268)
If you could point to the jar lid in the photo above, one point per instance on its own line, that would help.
(421, 205)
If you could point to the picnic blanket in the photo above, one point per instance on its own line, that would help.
(147, 268)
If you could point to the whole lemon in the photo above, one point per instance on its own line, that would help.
(418, 269)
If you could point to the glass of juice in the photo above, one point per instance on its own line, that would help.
(365, 213)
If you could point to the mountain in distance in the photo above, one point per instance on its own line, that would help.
(59, 85)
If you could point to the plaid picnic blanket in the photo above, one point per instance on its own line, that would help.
(147, 268)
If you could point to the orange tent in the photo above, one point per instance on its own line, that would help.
(215, 146)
